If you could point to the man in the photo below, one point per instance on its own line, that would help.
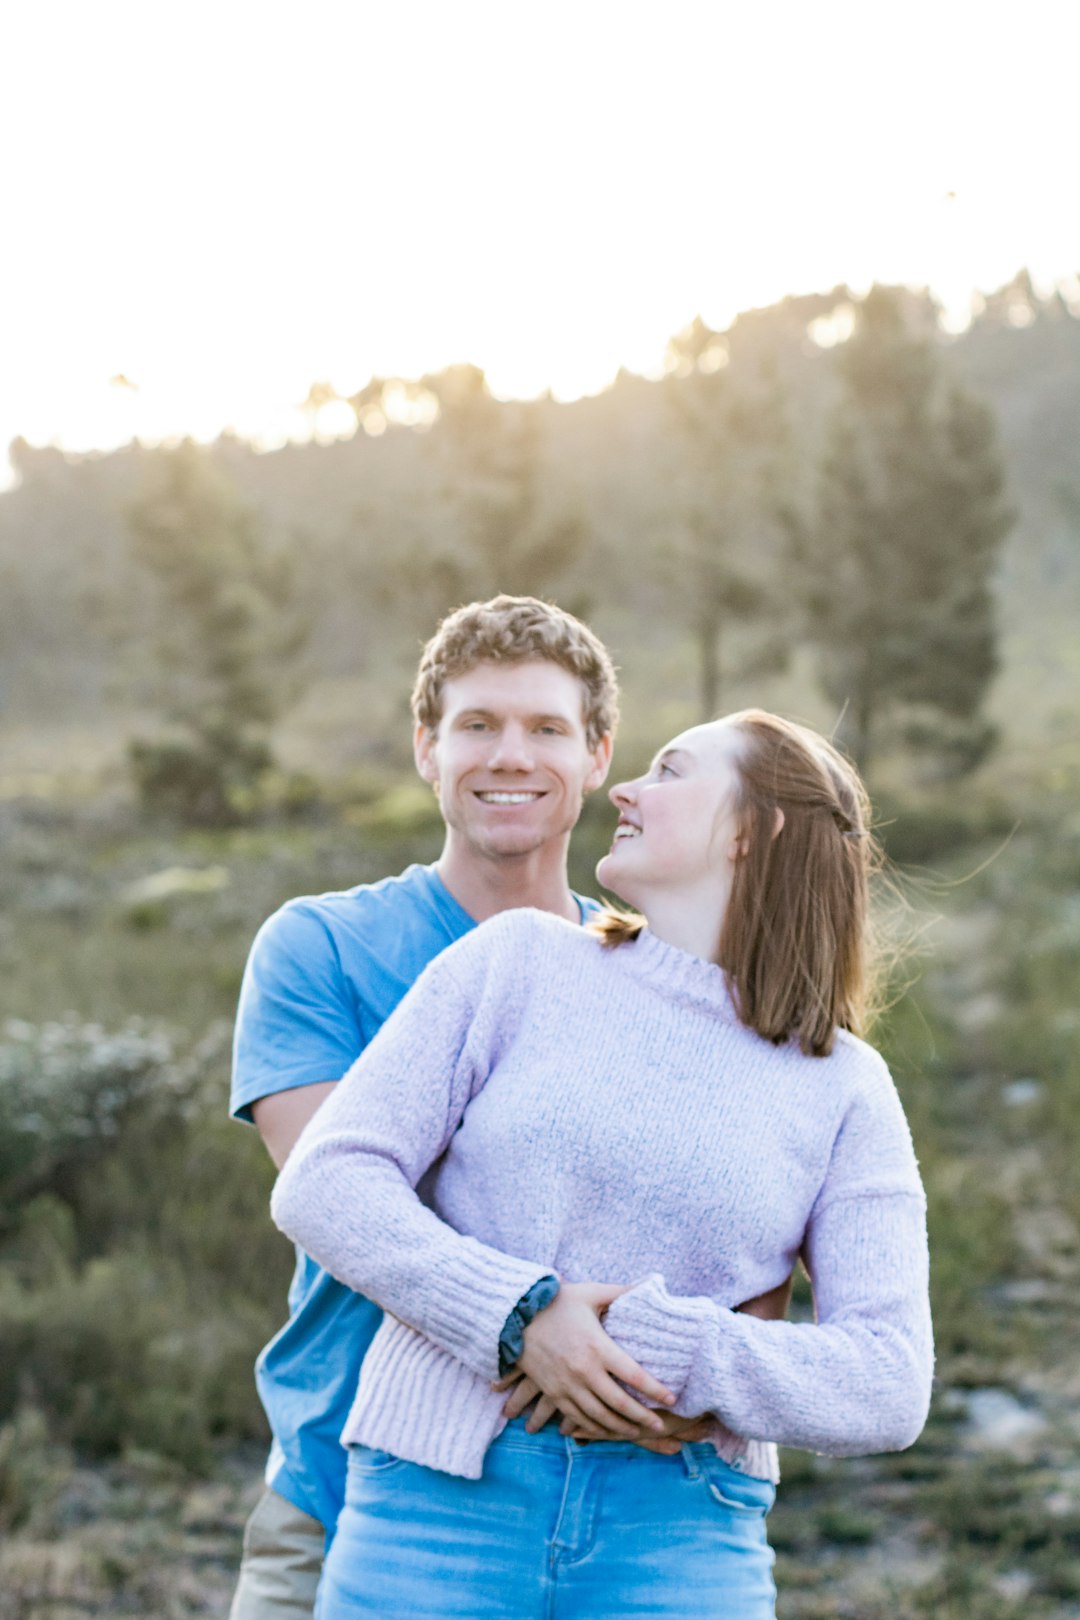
(515, 707)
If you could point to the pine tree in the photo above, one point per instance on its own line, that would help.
(229, 628)
(725, 449)
(895, 568)
(505, 533)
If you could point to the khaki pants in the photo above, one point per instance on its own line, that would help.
(282, 1562)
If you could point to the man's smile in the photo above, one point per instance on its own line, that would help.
(507, 796)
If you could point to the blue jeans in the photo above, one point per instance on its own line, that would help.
(553, 1531)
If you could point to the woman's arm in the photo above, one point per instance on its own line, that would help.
(346, 1193)
(857, 1380)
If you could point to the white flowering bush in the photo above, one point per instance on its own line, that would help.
(68, 1088)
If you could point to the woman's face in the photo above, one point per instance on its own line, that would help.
(677, 830)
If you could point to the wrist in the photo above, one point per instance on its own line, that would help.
(529, 1306)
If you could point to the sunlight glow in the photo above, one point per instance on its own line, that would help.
(223, 204)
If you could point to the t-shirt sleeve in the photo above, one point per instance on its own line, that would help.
(296, 1024)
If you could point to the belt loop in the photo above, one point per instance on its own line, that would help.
(689, 1462)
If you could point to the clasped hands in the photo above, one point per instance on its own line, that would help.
(570, 1367)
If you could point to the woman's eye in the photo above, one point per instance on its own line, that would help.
(666, 770)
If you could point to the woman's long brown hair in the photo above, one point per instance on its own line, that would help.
(795, 939)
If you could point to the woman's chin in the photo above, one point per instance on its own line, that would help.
(607, 873)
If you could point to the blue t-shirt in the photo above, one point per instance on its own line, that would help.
(325, 972)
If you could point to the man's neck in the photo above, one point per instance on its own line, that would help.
(484, 886)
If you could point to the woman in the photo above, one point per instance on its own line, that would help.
(651, 1122)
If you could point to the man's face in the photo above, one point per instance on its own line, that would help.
(510, 761)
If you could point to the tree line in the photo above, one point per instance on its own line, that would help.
(777, 492)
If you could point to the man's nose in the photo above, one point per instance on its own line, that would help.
(512, 750)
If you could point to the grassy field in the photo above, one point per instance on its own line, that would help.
(138, 1273)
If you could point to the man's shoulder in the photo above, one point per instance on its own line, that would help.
(375, 932)
(416, 887)
(415, 894)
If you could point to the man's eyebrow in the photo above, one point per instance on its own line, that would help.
(530, 719)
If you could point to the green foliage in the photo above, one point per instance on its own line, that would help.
(33, 1468)
(895, 568)
(126, 1354)
(230, 629)
(201, 780)
(920, 832)
(67, 1089)
(130, 1214)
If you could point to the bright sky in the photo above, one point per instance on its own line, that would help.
(226, 201)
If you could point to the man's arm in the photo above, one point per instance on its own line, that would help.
(673, 1430)
(281, 1117)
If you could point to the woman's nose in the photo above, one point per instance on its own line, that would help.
(623, 793)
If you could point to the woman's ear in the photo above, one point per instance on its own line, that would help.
(740, 844)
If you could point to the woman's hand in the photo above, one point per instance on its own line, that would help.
(676, 1431)
(577, 1370)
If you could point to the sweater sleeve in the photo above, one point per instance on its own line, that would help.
(858, 1378)
(347, 1191)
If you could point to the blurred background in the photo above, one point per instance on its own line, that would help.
(750, 333)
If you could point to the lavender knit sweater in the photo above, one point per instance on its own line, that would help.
(603, 1114)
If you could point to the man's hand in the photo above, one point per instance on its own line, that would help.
(569, 1359)
(770, 1307)
(678, 1431)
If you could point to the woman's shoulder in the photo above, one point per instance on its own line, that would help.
(858, 1067)
(521, 937)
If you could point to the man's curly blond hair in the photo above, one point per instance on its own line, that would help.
(510, 630)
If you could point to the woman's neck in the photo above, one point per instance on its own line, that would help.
(692, 926)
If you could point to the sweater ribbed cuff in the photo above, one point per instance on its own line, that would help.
(466, 1309)
(662, 1334)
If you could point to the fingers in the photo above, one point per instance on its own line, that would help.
(508, 1380)
(691, 1430)
(544, 1411)
(627, 1371)
(674, 1432)
(663, 1446)
(522, 1396)
(608, 1409)
(586, 1410)
(635, 1416)
(601, 1295)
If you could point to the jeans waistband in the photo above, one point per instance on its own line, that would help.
(517, 1437)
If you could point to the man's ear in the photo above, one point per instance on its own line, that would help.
(424, 754)
(601, 763)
